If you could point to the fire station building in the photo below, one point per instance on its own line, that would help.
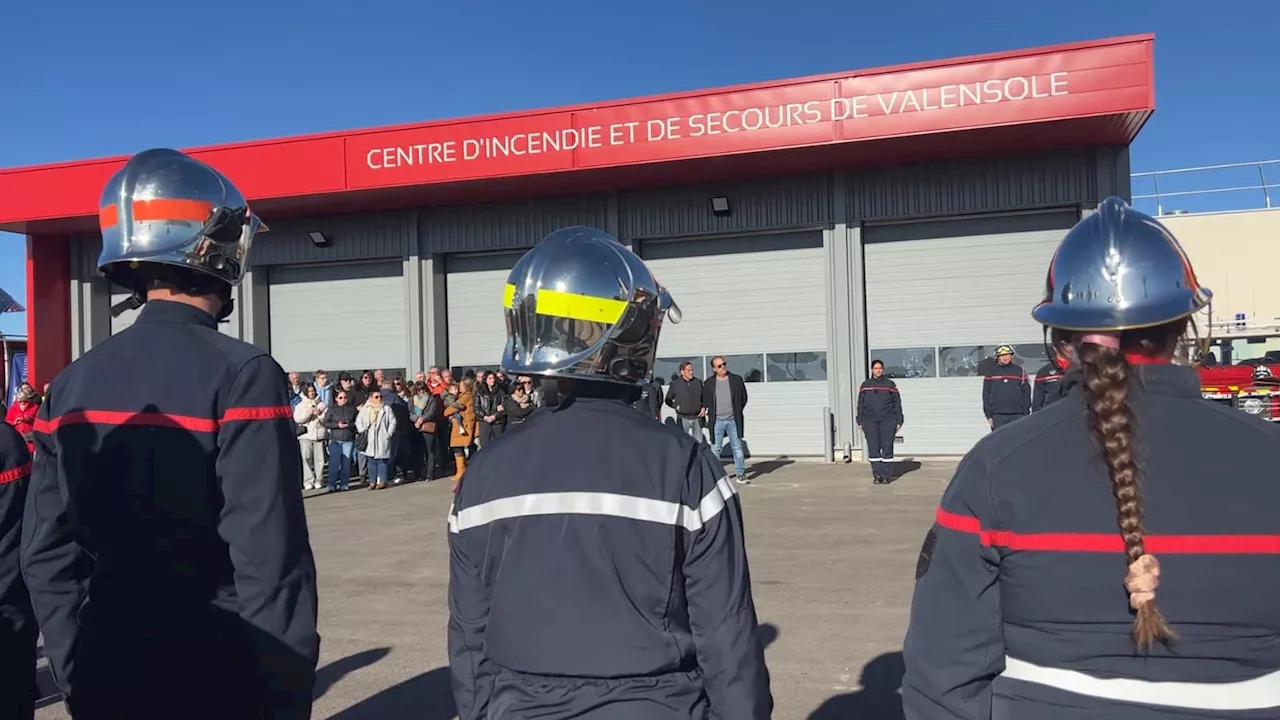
(804, 226)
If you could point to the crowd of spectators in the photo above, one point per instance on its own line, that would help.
(377, 431)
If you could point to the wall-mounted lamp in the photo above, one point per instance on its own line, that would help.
(318, 238)
(720, 206)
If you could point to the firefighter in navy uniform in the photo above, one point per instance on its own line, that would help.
(1050, 386)
(164, 541)
(597, 567)
(1006, 391)
(650, 400)
(1020, 608)
(18, 633)
(880, 417)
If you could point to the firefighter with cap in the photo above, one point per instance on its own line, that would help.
(1006, 391)
(1117, 554)
(597, 564)
(164, 541)
(18, 633)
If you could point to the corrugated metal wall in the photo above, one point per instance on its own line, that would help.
(84, 256)
(972, 186)
(506, 226)
(789, 202)
(362, 236)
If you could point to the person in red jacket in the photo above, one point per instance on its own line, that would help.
(22, 414)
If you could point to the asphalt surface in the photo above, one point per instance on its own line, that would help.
(832, 561)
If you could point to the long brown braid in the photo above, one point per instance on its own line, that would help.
(1105, 380)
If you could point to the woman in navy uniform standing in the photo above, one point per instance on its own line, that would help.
(1023, 608)
(880, 417)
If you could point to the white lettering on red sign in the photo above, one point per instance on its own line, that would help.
(745, 120)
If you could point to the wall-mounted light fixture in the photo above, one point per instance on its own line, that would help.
(318, 238)
(720, 206)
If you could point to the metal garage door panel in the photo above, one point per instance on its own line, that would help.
(230, 327)
(965, 284)
(338, 317)
(473, 289)
(753, 296)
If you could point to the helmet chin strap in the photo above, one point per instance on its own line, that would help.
(133, 302)
(228, 303)
(136, 299)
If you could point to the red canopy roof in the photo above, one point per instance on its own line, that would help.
(1089, 93)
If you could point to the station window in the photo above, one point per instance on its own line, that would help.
(1031, 356)
(914, 362)
(387, 374)
(669, 368)
(795, 367)
(964, 360)
(750, 367)
(459, 372)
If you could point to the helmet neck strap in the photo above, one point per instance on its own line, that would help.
(180, 281)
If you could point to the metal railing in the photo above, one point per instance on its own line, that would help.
(1236, 184)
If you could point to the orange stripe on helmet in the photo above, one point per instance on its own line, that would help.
(159, 209)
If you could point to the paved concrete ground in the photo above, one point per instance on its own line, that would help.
(832, 560)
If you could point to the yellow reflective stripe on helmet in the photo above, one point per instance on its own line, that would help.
(555, 303)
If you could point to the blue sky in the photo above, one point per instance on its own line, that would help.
(112, 78)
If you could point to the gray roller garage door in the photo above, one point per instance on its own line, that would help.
(230, 327)
(338, 317)
(759, 301)
(473, 289)
(940, 297)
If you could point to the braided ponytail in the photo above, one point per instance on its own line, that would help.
(1106, 376)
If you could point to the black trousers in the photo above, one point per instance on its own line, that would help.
(18, 690)
(488, 431)
(998, 421)
(880, 434)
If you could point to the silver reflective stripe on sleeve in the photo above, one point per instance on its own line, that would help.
(1260, 693)
(597, 503)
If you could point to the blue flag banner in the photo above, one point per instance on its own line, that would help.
(17, 374)
(8, 304)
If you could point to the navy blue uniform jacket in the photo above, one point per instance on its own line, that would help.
(17, 622)
(164, 541)
(1051, 386)
(879, 400)
(1024, 569)
(598, 571)
(1005, 390)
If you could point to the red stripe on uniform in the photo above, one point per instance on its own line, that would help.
(1111, 542)
(8, 476)
(1005, 377)
(876, 387)
(258, 413)
(161, 420)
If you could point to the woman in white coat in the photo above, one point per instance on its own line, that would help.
(376, 423)
(309, 414)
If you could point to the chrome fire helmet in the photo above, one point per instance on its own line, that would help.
(1119, 269)
(581, 305)
(165, 210)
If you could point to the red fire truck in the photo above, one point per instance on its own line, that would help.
(1239, 366)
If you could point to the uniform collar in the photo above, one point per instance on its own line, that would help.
(175, 312)
(1167, 379)
(1156, 379)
